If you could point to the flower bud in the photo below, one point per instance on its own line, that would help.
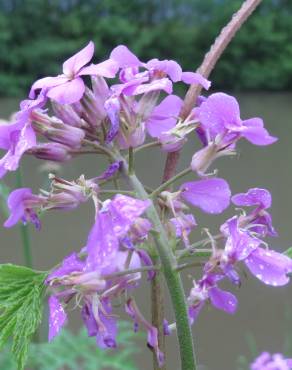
(51, 152)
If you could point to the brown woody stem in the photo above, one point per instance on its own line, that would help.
(226, 35)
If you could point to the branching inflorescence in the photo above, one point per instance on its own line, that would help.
(136, 227)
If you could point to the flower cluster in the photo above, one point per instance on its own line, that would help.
(115, 119)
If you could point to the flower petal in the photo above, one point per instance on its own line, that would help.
(269, 266)
(124, 57)
(73, 65)
(255, 133)
(107, 69)
(195, 78)
(69, 92)
(57, 317)
(223, 300)
(164, 116)
(211, 195)
(253, 197)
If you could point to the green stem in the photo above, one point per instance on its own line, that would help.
(172, 277)
(116, 191)
(152, 144)
(24, 231)
(169, 182)
(131, 161)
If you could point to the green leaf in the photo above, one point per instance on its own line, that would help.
(78, 351)
(288, 252)
(21, 293)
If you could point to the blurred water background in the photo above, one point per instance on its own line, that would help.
(35, 36)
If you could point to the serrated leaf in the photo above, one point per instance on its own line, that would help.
(21, 292)
(78, 351)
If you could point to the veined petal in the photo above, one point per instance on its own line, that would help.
(15, 205)
(195, 78)
(253, 130)
(269, 266)
(169, 67)
(73, 65)
(223, 300)
(57, 317)
(107, 69)
(164, 116)
(69, 92)
(124, 57)
(253, 197)
(219, 111)
(211, 195)
(47, 82)
(102, 243)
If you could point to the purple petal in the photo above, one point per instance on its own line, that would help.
(218, 112)
(125, 210)
(89, 320)
(147, 261)
(163, 84)
(195, 78)
(106, 336)
(239, 244)
(164, 116)
(253, 197)
(107, 69)
(211, 195)
(16, 206)
(102, 243)
(57, 317)
(110, 171)
(269, 266)
(68, 93)
(47, 82)
(194, 311)
(223, 300)
(254, 132)
(124, 57)
(73, 65)
(70, 264)
(169, 67)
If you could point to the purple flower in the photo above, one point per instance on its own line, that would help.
(164, 116)
(183, 225)
(266, 361)
(69, 87)
(211, 195)
(207, 289)
(221, 127)
(22, 205)
(259, 217)
(112, 224)
(18, 137)
(220, 114)
(152, 337)
(266, 265)
(157, 74)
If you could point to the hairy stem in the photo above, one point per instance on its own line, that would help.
(221, 42)
(172, 277)
(157, 313)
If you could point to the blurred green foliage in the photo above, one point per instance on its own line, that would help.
(78, 351)
(37, 35)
